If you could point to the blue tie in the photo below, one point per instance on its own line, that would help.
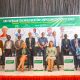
(54, 42)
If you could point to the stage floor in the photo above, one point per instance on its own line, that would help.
(39, 73)
(55, 72)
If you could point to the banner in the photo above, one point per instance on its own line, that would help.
(37, 24)
(40, 21)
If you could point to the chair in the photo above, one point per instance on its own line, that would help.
(56, 62)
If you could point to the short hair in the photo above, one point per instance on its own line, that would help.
(19, 30)
(53, 32)
(29, 33)
(42, 33)
(4, 27)
(65, 35)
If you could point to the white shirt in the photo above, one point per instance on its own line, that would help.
(58, 40)
(76, 43)
(8, 45)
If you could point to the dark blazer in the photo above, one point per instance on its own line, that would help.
(64, 44)
(27, 52)
(32, 42)
(73, 49)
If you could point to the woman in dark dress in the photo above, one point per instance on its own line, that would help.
(23, 56)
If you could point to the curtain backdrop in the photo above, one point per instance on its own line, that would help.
(10, 8)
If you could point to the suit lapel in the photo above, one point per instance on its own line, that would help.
(78, 42)
(28, 40)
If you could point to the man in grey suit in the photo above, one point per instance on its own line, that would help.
(30, 42)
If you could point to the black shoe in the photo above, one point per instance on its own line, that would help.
(28, 69)
(48, 70)
(45, 69)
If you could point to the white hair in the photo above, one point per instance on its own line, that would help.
(5, 27)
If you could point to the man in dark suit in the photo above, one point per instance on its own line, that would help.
(75, 43)
(65, 47)
(30, 42)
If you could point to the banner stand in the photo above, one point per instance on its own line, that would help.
(68, 63)
(38, 63)
(10, 63)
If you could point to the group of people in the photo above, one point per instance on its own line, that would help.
(69, 47)
(25, 50)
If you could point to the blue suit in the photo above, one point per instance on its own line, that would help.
(73, 49)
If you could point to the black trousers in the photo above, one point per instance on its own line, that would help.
(42, 52)
(31, 57)
(65, 53)
(2, 59)
(76, 62)
(8, 53)
(17, 58)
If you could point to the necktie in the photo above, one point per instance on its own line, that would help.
(54, 42)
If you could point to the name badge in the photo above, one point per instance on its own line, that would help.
(43, 43)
